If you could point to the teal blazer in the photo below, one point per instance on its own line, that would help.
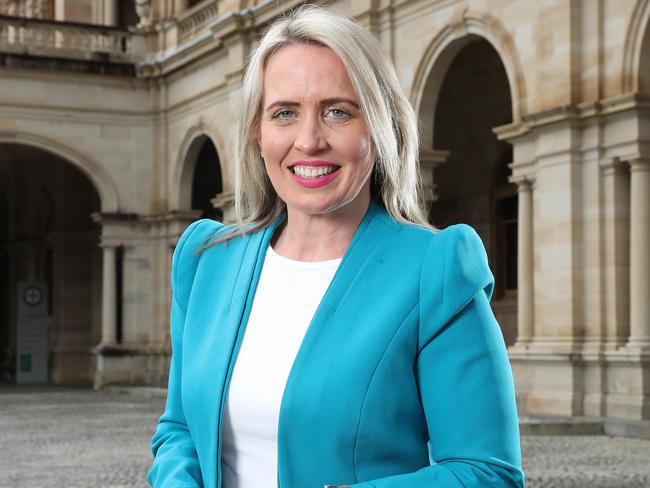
(402, 379)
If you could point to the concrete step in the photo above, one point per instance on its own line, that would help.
(551, 425)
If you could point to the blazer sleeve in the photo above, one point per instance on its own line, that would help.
(176, 463)
(464, 375)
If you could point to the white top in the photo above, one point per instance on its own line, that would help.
(287, 296)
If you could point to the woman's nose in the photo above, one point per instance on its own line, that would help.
(310, 137)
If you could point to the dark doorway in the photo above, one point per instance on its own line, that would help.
(47, 236)
(472, 185)
(206, 181)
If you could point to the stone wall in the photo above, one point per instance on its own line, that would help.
(578, 124)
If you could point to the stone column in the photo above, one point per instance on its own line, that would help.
(639, 254)
(109, 322)
(525, 263)
(616, 252)
(110, 12)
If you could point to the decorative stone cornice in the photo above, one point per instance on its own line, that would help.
(639, 164)
(223, 199)
(431, 158)
(572, 113)
(225, 202)
(612, 165)
(524, 182)
(171, 216)
(113, 217)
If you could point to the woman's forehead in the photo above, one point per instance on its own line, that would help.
(306, 71)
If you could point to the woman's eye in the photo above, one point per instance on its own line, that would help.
(338, 113)
(282, 114)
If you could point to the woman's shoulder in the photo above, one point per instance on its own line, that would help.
(458, 255)
(202, 239)
(434, 239)
(197, 234)
(208, 234)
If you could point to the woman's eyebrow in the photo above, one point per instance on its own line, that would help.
(330, 101)
(282, 103)
(326, 101)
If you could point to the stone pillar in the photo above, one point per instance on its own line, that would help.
(109, 322)
(639, 254)
(525, 262)
(616, 252)
(110, 12)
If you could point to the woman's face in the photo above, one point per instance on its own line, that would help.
(313, 138)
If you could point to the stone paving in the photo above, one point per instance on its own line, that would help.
(74, 438)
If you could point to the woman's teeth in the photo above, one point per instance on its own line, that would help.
(313, 171)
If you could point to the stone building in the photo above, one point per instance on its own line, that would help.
(117, 120)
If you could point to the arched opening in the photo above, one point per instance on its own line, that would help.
(472, 186)
(48, 243)
(644, 65)
(206, 177)
(126, 14)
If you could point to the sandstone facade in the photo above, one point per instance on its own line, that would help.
(535, 123)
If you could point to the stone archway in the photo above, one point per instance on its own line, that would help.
(199, 176)
(50, 238)
(85, 163)
(644, 61)
(443, 49)
(206, 178)
(474, 97)
(636, 55)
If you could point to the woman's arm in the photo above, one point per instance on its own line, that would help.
(464, 379)
(176, 463)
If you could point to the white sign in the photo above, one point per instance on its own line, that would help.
(32, 350)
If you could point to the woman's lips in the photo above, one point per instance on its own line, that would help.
(314, 174)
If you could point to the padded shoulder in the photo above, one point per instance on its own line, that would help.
(185, 258)
(455, 270)
(467, 268)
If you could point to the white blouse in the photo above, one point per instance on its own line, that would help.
(287, 296)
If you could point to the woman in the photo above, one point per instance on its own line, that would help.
(332, 337)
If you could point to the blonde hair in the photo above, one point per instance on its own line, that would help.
(389, 117)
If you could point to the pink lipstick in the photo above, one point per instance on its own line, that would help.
(314, 174)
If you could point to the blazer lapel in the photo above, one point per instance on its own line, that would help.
(321, 337)
(217, 327)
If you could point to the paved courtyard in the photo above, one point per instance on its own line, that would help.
(73, 438)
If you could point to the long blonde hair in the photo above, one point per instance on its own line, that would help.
(389, 117)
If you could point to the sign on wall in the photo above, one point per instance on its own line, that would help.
(31, 350)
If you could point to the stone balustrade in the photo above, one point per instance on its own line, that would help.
(195, 20)
(37, 37)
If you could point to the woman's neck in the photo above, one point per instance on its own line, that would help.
(305, 237)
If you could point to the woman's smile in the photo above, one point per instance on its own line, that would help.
(314, 174)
